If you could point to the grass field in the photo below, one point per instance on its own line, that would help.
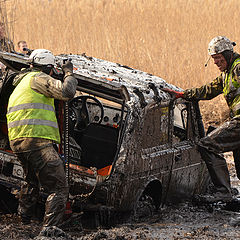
(167, 38)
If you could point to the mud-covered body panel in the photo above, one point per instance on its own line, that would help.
(145, 143)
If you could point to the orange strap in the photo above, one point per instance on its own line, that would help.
(104, 171)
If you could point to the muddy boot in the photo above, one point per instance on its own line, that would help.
(218, 171)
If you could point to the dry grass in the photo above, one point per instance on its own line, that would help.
(166, 38)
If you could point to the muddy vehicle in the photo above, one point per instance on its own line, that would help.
(127, 145)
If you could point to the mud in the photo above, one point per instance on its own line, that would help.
(183, 221)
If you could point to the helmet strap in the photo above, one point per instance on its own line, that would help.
(207, 61)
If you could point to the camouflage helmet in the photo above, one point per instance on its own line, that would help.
(219, 44)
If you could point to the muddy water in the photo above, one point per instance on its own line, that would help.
(185, 221)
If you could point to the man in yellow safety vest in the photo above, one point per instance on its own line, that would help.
(33, 129)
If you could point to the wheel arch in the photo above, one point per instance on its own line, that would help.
(152, 188)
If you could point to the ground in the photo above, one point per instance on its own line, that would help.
(185, 221)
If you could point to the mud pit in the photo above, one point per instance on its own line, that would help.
(185, 221)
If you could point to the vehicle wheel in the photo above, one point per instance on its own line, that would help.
(144, 208)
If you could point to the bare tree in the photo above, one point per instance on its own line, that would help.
(6, 26)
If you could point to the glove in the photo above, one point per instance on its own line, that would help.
(174, 94)
(67, 68)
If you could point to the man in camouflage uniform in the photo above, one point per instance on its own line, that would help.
(32, 130)
(226, 137)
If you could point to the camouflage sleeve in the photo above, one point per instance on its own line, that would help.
(236, 73)
(205, 92)
(69, 87)
(50, 87)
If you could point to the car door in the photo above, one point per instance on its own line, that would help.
(188, 169)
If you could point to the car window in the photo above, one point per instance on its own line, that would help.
(180, 121)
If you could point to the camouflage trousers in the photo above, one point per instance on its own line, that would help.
(43, 167)
(223, 139)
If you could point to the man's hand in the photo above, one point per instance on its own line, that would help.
(174, 94)
(67, 68)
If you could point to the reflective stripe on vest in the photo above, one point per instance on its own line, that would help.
(231, 90)
(228, 81)
(32, 122)
(31, 114)
(30, 105)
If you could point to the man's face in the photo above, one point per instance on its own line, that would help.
(21, 46)
(220, 61)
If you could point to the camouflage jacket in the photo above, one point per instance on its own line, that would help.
(50, 87)
(214, 88)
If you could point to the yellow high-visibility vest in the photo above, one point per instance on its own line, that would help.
(31, 114)
(231, 90)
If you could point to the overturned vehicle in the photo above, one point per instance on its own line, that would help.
(128, 146)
